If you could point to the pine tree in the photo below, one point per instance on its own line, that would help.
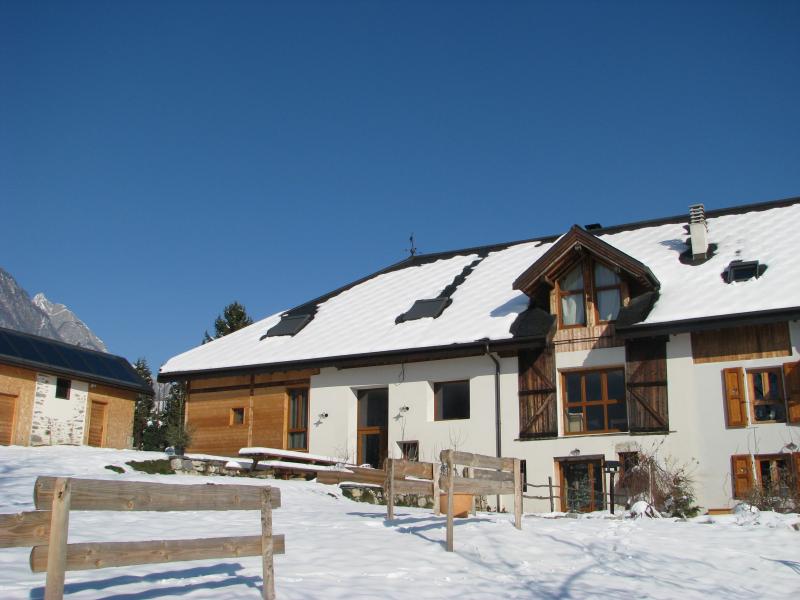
(143, 409)
(233, 317)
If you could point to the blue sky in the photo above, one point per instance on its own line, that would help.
(160, 160)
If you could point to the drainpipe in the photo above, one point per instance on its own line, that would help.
(496, 407)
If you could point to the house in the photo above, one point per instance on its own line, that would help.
(57, 393)
(678, 335)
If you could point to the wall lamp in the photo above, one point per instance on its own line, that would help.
(404, 409)
(323, 416)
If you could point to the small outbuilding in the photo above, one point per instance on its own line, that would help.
(56, 393)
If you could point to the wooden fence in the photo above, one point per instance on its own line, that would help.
(410, 477)
(487, 475)
(46, 529)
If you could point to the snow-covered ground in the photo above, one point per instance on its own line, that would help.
(337, 548)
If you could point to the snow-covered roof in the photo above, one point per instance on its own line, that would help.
(361, 319)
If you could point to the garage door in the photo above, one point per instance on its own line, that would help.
(7, 404)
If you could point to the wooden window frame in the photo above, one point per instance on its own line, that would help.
(751, 392)
(404, 446)
(589, 292)
(772, 459)
(604, 402)
(68, 388)
(438, 399)
(232, 422)
(289, 429)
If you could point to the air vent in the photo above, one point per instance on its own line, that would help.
(424, 308)
(592, 226)
(743, 270)
(288, 325)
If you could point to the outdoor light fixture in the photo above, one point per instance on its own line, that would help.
(323, 416)
(403, 409)
(791, 447)
(611, 467)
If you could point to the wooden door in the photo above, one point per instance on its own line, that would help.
(7, 406)
(373, 425)
(97, 424)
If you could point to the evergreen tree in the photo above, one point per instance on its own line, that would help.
(143, 409)
(233, 317)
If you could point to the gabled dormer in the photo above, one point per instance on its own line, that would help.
(586, 282)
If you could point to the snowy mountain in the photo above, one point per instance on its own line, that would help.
(42, 317)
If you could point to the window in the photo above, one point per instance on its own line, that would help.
(63, 387)
(571, 298)
(607, 287)
(574, 291)
(451, 400)
(774, 475)
(594, 401)
(767, 400)
(237, 416)
(298, 419)
(410, 450)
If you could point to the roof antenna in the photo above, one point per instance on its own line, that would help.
(413, 249)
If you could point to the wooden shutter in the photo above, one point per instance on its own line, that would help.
(791, 376)
(646, 382)
(735, 409)
(97, 423)
(742, 475)
(537, 393)
(7, 405)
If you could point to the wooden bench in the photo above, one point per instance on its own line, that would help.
(46, 529)
(487, 475)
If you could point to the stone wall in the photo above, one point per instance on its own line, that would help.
(58, 420)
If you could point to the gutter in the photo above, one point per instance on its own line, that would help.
(497, 418)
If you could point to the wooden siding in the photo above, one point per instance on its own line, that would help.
(270, 417)
(646, 382)
(8, 405)
(119, 406)
(538, 406)
(741, 343)
(586, 338)
(208, 414)
(19, 384)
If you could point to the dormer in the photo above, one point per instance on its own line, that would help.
(584, 281)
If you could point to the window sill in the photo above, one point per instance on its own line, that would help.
(570, 436)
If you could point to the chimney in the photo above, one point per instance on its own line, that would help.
(698, 231)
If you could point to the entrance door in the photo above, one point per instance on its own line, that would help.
(97, 424)
(373, 423)
(582, 486)
(7, 404)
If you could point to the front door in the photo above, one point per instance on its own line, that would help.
(97, 424)
(373, 423)
(7, 404)
(582, 486)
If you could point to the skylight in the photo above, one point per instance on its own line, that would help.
(743, 270)
(288, 325)
(424, 308)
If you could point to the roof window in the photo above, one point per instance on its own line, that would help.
(743, 270)
(424, 308)
(288, 325)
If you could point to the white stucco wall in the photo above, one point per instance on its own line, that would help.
(58, 420)
(698, 436)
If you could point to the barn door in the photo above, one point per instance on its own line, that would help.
(537, 393)
(646, 380)
(97, 424)
(7, 406)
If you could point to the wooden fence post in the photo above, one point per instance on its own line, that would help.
(57, 545)
(390, 488)
(268, 573)
(550, 490)
(471, 475)
(436, 508)
(450, 481)
(517, 493)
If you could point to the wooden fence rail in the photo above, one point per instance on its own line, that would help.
(46, 529)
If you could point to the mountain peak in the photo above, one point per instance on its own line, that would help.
(69, 327)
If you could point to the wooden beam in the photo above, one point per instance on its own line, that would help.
(517, 493)
(24, 529)
(388, 489)
(56, 550)
(96, 555)
(448, 459)
(482, 462)
(96, 494)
